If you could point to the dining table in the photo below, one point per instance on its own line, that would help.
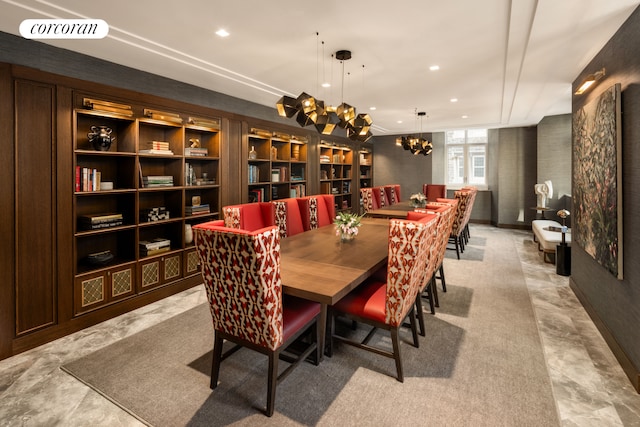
(397, 210)
(317, 265)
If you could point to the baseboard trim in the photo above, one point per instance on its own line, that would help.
(627, 365)
(514, 226)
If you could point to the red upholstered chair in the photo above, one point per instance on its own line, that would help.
(474, 192)
(317, 211)
(380, 197)
(241, 272)
(392, 193)
(387, 305)
(457, 230)
(249, 216)
(369, 202)
(434, 191)
(288, 218)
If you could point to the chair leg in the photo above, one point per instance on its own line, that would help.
(272, 382)
(420, 314)
(457, 247)
(414, 327)
(396, 354)
(434, 292)
(217, 358)
(442, 280)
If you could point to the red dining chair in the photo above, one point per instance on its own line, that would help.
(368, 201)
(241, 272)
(434, 191)
(380, 197)
(317, 211)
(392, 193)
(249, 216)
(288, 218)
(386, 305)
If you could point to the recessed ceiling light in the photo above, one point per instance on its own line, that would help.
(399, 121)
(465, 117)
(222, 32)
(434, 67)
(454, 100)
(372, 108)
(326, 84)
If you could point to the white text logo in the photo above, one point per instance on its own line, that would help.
(64, 29)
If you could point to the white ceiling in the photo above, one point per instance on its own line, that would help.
(509, 63)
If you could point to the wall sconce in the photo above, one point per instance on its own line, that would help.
(589, 81)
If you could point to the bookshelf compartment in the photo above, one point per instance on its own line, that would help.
(208, 197)
(153, 130)
(207, 139)
(120, 170)
(160, 167)
(118, 242)
(123, 131)
(205, 172)
(170, 200)
(106, 203)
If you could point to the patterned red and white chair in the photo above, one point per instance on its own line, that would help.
(434, 192)
(380, 197)
(287, 214)
(249, 216)
(366, 195)
(392, 193)
(457, 230)
(241, 272)
(386, 305)
(317, 211)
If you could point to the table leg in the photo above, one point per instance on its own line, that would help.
(322, 326)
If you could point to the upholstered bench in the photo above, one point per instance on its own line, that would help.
(548, 235)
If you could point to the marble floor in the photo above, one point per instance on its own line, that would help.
(589, 385)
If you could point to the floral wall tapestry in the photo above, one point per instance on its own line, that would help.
(597, 180)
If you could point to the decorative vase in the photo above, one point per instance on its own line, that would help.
(346, 237)
(100, 137)
(253, 154)
(188, 234)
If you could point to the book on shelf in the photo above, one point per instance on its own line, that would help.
(256, 195)
(153, 244)
(196, 151)
(275, 175)
(325, 158)
(156, 151)
(100, 225)
(99, 218)
(87, 179)
(150, 252)
(297, 190)
(158, 145)
(157, 181)
(254, 174)
(197, 210)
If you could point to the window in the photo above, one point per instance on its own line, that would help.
(466, 159)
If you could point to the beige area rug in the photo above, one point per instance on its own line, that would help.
(481, 364)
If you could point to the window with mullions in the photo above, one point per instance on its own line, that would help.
(466, 159)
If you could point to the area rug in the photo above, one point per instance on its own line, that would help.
(481, 364)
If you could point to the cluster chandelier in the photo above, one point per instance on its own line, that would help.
(417, 145)
(311, 111)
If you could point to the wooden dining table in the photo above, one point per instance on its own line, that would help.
(318, 266)
(397, 210)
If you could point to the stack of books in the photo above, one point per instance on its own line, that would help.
(196, 151)
(254, 174)
(197, 210)
(157, 181)
(154, 214)
(155, 246)
(325, 158)
(157, 147)
(98, 221)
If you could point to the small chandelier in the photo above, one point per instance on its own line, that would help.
(417, 145)
(311, 111)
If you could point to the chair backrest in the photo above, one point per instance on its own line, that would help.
(392, 193)
(287, 216)
(249, 216)
(434, 191)
(317, 211)
(472, 199)
(241, 272)
(438, 248)
(380, 197)
(409, 243)
(368, 201)
(464, 200)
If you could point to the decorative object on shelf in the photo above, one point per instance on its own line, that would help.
(295, 151)
(417, 145)
(162, 115)
(188, 234)
(100, 258)
(418, 200)
(194, 143)
(253, 154)
(544, 192)
(107, 107)
(274, 153)
(311, 111)
(100, 137)
(347, 225)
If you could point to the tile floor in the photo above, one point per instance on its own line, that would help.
(589, 386)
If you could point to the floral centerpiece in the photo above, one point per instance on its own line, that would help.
(418, 200)
(347, 225)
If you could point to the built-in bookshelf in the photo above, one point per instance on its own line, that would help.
(336, 173)
(134, 198)
(277, 166)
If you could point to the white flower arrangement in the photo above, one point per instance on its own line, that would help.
(347, 223)
(418, 200)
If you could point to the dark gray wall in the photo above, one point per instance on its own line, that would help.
(394, 165)
(554, 159)
(615, 304)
